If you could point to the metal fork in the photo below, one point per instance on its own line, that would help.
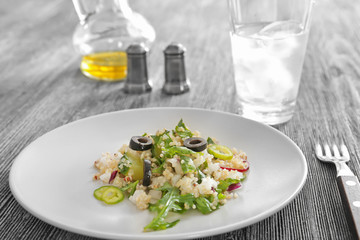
(348, 183)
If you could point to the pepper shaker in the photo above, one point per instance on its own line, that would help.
(137, 76)
(176, 81)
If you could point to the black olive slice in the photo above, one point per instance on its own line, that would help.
(196, 144)
(147, 172)
(139, 143)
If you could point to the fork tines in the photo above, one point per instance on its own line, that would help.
(326, 152)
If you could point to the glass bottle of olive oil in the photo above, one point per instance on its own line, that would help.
(107, 66)
(106, 29)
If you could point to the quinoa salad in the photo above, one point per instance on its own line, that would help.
(171, 171)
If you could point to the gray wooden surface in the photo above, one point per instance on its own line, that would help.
(41, 88)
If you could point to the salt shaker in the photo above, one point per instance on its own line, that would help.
(176, 81)
(137, 76)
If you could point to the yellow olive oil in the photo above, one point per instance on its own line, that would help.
(106, 66)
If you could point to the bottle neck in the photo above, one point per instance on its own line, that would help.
(120, 6)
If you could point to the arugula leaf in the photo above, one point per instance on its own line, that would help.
(175, 150)
(187, 164)
(161, 143)
(166, 187)
(203, 205)
(201, 175)
(167, 203)
(162, 146)
(221, 196)
(172, 201)
(159, 169)
(210, 141)
(131, 187)
(204, 165)
(160, 224)
(224, 184)
(187, 199)
(182, 131)
(211, 198)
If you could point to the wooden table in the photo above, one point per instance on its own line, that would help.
(41, 88)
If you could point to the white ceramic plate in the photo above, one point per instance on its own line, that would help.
(52, 177)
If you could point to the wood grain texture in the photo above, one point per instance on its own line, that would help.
(41, 88)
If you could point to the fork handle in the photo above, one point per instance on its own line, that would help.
(349, 188)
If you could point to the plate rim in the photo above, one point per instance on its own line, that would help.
(203, 233)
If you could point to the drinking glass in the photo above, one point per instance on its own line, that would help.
(268, 40)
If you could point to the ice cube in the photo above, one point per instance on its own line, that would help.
(264, 77)
(248, 29)
(281, 38)
(280, 29)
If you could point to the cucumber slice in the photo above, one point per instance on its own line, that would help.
(99, 192)
(136, 169)
(112, 195)
(220, 151)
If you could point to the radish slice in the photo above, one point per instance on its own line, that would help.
(113, 175)
(236, 169)
(234, 186)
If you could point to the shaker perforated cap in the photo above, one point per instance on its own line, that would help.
(136, 49)
(175, 49)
